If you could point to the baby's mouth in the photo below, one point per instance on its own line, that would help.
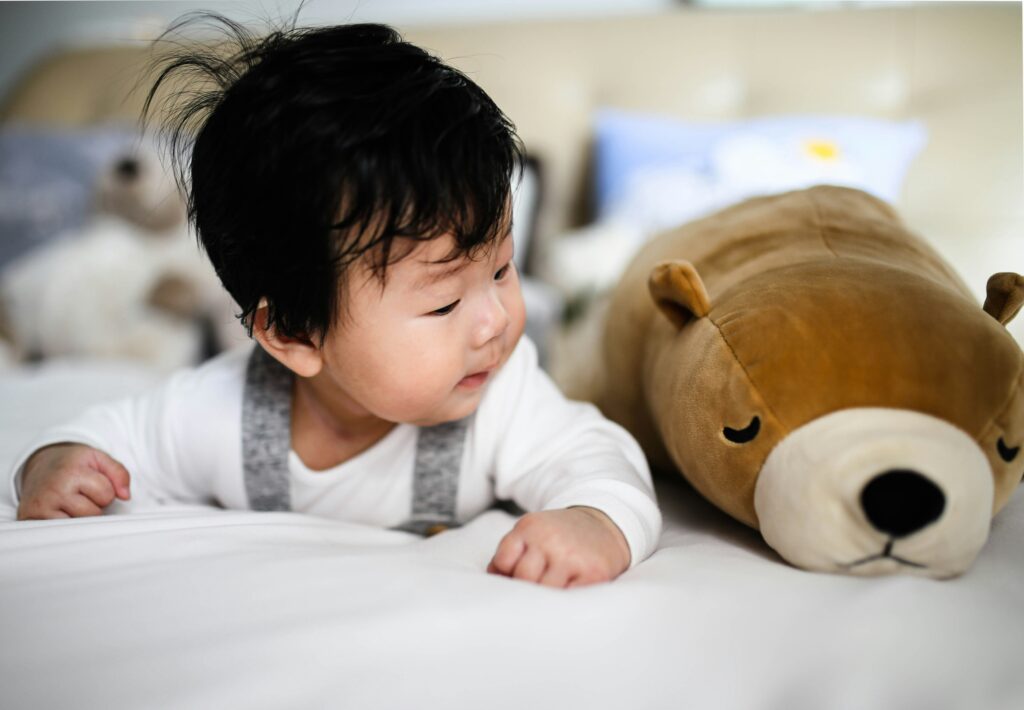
(475, 380)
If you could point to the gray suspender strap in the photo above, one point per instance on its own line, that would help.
(267, 432)
(436, 477)
(266, 443)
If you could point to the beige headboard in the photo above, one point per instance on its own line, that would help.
(955, 66)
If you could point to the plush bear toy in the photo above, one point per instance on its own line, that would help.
(819, 373)
(131, 283)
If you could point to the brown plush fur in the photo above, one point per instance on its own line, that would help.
(790, 307)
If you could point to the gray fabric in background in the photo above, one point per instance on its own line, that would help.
(48, 180)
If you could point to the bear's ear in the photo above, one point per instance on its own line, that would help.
(1005, 295)
(678, 291)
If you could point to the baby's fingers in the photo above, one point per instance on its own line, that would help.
(557, 575)
(531, 566)
(97, 488)
(510, 549)
(80, 507)
(116, 473)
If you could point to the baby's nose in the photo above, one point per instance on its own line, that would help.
(494, 320)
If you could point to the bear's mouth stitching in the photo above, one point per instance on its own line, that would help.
(886, 553)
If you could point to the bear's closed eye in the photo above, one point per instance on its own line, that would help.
(1005, 452)
(742, 436)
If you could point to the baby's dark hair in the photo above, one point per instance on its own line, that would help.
(317, 146)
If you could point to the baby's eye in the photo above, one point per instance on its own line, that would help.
(446, 310)
(502, 272)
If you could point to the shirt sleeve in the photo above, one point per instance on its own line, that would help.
(552, 453)
(174, 440)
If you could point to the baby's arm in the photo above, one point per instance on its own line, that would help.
(70, 481)
(177, 443)
(584, 478)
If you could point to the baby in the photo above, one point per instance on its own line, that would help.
(353, 194)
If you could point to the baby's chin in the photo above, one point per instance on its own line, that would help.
(460, 404)
(463, 398)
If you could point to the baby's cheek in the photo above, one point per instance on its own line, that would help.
(517, 322)
(418, 393)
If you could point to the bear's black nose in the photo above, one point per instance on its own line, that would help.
(900, 502)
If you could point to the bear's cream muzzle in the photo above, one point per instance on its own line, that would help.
(873, 491)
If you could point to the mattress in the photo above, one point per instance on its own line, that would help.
(195, 607)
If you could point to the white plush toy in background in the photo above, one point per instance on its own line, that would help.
(131, 283)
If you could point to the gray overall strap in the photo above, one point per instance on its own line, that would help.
(436, 477)
(267, 432)
(266, 443)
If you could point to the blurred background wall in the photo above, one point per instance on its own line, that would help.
(29, 30)
(640, 114)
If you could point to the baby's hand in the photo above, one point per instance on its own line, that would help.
(563, 548)
(70, 481)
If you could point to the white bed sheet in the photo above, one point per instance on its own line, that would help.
(199, 608)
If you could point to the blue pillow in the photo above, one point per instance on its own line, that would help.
(656, 171)
(48, 181)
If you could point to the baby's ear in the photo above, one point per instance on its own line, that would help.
(300, 355)
(1005, 295)
(678, 291)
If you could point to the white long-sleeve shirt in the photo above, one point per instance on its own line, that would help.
(182, 442)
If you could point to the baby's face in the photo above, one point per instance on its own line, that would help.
(423, 349)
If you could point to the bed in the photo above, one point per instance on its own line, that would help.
(195, 607)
